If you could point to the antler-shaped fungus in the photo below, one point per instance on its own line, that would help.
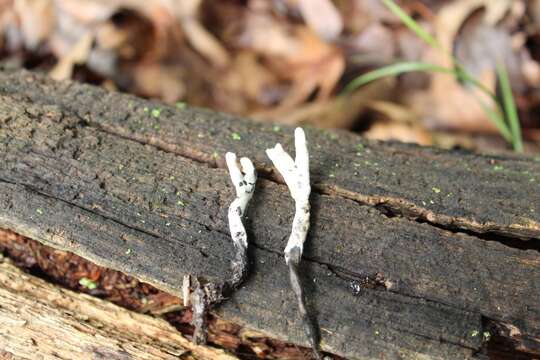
(296, 175)
(203, 296)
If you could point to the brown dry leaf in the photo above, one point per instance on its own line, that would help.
(448, 104)
(204, 42)
(399, 132)
(147, 50)
(131, 49)
(358, 14)
(485, 143)
(37, 20)
(323, 17)
(530, 70)
(533, 135)
(268, 36)
(79, 24)
(78, 54)
(394, 112)
(450, 140)
(10, 36)
(374, 45)
(339, 112)
(397, 123)
(86, 12)
(296, 55)
(315, 66)
(25, 24)
(247, 85)
(76, 17)
(159, 80)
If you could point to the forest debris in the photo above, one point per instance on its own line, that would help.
(115, 287)
(335, 113)
(41, 318)
(447, 103)
(316, 64)
(400, 124)
(323, 17)
(282, 60)
(204, 42)
(37, 20)
(374, 45)
(78, 54)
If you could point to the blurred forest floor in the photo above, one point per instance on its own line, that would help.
(287, 61)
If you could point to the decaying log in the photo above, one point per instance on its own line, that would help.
(40, 320)
(411, 251)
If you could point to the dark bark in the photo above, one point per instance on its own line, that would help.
(93, 172)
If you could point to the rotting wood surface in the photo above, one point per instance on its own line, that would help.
(139, 186)
(40, 320)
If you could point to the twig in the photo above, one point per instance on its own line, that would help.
(296, 176)
(200, 309)
(203, 296)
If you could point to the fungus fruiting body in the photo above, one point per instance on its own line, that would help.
(205, 295)
(296, 175)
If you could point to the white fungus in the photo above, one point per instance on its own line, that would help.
(296, 175)
(244, 185)
(205, 295)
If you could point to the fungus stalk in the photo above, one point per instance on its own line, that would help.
(296, 175)
(244, 185)
(205, 295)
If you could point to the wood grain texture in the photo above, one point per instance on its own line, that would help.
(477, 193)
(92, 172)
(40, 320)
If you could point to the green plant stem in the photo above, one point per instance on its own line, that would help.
(392, 70)
(504, 117)
(510, 107)
(412, 24)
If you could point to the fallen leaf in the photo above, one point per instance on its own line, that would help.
(399, 132)
(37, 20)
(375, 45)
(78, 54)
(247, 85)
(340, 112)
(323, 17)
(203, 41)
(447, 103)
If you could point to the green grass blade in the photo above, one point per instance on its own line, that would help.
(509, 129)
(465, 76)
(510, 107)
(412, 24)
(496, 117)
(392, 70)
